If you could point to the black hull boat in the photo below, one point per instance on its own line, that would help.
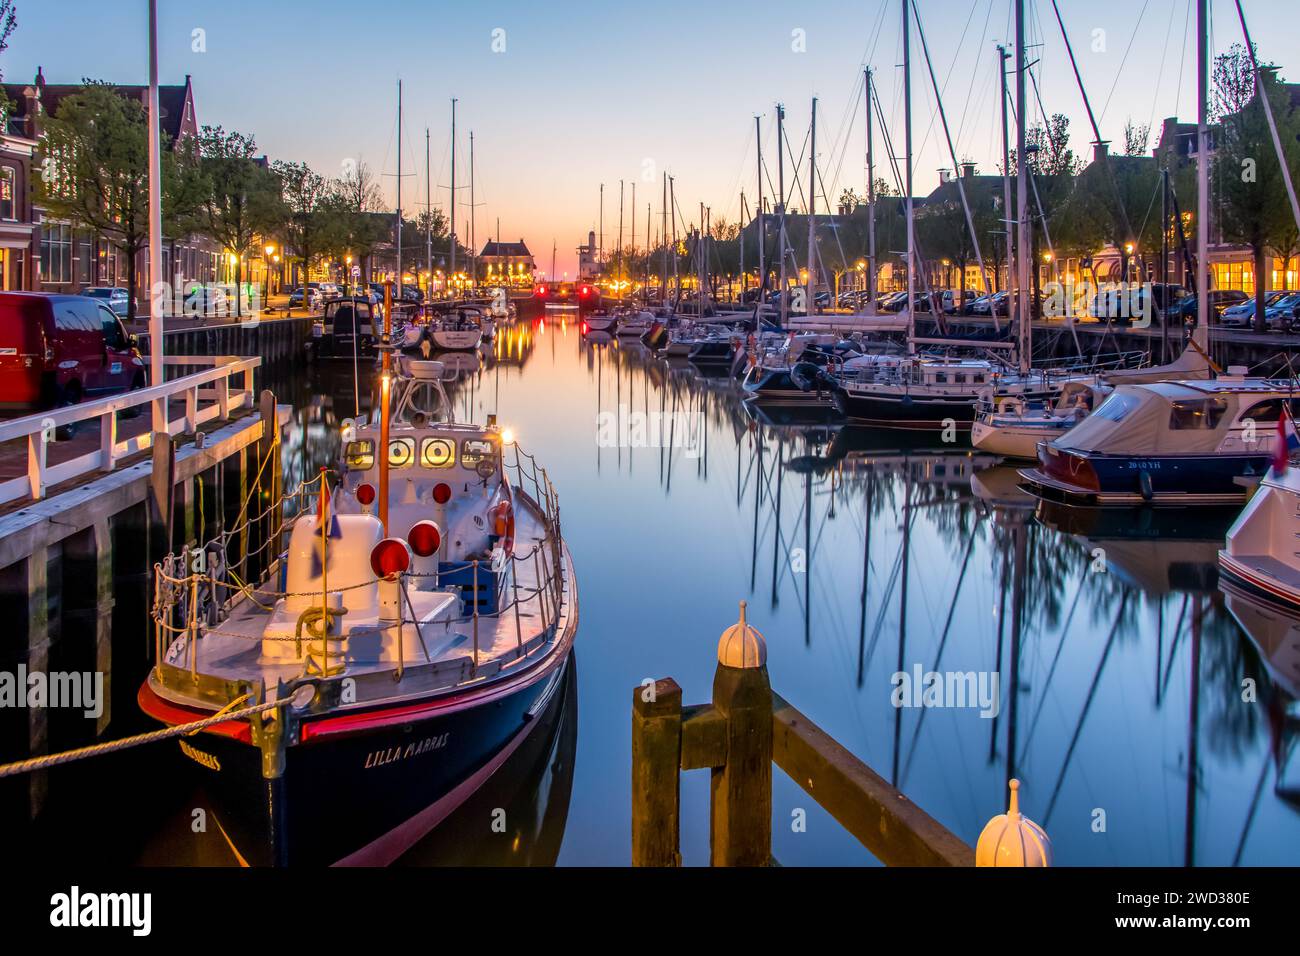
(397, 651)
(904, 411)
(362, 790)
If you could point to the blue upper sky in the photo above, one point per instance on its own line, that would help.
(574, 94)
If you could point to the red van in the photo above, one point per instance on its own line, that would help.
(58, 349)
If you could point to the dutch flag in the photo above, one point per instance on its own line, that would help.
(1288, 440)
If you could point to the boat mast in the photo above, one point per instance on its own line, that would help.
(762, 223)
(452, 269)
(811, 306)
(1022, 198)
(473, 244)
(780, 186)
(399, 189)
(1201, 335)
(632, 216)
(619, 253)
(600, 248)
(428, 222)
(907, 181)
(1003, 56)
(871, 202)
(663, 276)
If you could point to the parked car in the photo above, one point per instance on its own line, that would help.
(116, 298)
(1284, 314)
(207, 300)
(57, 349)
(329, 290)
(313, 297)
(1219, 300)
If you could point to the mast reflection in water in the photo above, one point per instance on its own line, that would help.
(1135, 702)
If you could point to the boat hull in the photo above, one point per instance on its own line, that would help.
(904, 411)
(1012, 440)
(1123, 479)
(362, 792)
(445, 340)
(775, 386)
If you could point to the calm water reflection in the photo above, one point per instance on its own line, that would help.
(862, 553)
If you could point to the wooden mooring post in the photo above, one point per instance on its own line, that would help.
(737, 738)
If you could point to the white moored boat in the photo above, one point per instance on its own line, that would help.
(1263, 547)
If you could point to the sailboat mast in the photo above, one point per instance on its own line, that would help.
(762, 223)
(452, 269)
(619, 253)
(1201, 335)
(428, 222)
(1003, 56)
(907, 181)
(399, 190)
(1023, 312)
(663, 278)
(811, 306)
(632, 208)
(600, 247)
(871, 201)
(780, 188)
(473, 243)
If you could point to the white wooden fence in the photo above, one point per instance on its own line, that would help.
(212, 385)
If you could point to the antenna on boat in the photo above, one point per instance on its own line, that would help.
(384, 412)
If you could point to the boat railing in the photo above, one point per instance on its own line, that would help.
(197, 589)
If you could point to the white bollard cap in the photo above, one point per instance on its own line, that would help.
(1011, 839)
(742, 645)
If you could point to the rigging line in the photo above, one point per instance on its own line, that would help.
(1087, 705)
(938, 657)
(1160, 73)
(1120, 72)
(984, 32)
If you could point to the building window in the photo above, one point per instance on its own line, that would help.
(56, 253)
(85, 263)
(7, 205)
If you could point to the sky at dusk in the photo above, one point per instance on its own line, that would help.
(591, 92)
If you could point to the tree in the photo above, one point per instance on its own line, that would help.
(98, 147)
(242, 199)
(304, 194)
(1252, 194)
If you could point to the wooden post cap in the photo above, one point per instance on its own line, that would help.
(742, 645)
(1012, 839)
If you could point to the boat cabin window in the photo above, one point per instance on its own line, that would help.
(437, 453)
(1197, 413)
(360, 455)
(401, 452)
(1116, 408)
(474, 450)
(1271, 410)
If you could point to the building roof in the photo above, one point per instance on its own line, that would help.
(173, 101)
(505, 249)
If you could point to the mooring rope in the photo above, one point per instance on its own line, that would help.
(94, 750)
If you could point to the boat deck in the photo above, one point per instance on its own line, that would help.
(440, 644)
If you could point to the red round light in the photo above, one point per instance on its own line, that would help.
(366, 494)
(442, 492)
(424, 538)
(390, 558)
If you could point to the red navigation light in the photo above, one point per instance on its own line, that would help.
(584, 328)
(442, 492)
(541, 290)
(366, 494)
(390, 558)
(424, 538)
(586, 290)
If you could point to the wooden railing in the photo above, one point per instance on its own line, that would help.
(213, 385)
(738, 738)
